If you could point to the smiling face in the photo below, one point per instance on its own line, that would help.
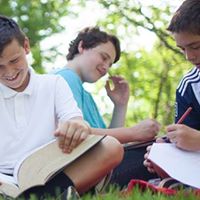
(95, 62)
(190, 45)
(14, 66)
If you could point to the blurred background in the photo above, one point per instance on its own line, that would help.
(150, 60)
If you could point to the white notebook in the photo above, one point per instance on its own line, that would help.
(181, 165)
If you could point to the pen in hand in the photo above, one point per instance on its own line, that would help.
(185, 114)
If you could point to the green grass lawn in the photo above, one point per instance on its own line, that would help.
(141, 196)
(114, 194)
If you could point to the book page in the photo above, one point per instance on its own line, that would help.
(40, 164)
(7, 179)
(48, 159)
(181, 165)
(135, 145)
(18, 164)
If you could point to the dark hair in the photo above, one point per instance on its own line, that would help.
(92, 37)
(9, 30)
(186, 18)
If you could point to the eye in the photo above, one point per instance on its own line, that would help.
(182, 49)
(195, 47)
(14, 60)
(110, 65)
(104, 57)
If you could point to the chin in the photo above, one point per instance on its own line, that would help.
(92, 80)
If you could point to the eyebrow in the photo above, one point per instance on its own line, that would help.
(190, 44)
(106, 54)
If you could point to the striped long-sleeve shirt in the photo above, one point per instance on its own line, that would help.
(188, 94)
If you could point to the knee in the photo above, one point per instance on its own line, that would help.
(114, 151)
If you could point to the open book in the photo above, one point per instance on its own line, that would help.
(181, 165)
(37, 167)
(135, 145)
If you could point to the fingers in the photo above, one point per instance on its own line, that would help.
(118, 80)
(160, 140)
(148, 165)
(107, 86)
(154, 124)
(78, 137)
(171, 127)
(70, 139)
(60, 133)
(71, 134)
(148, 148)
(173, 132)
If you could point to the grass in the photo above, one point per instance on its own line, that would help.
(136, 194)
(114, 194)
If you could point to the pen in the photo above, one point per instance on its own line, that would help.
(185, 114)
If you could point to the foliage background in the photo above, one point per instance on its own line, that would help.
(153, 74)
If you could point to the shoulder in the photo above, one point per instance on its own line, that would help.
(50, 81)
(67, 73)
(192, 77)
(50, 78)
(71, 77)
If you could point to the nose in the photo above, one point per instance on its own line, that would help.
(190, 55)
(106, 66)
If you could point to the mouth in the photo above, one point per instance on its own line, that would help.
(12, 78)
(102, 72)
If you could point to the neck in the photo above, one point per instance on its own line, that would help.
(72, 64)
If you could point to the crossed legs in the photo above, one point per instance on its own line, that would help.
(95, 164)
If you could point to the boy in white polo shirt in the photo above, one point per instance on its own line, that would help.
(32, 105)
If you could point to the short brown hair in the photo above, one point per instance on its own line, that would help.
(92, 37)
(186, 18)
(9, 30)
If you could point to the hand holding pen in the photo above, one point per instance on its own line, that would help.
(185, 114)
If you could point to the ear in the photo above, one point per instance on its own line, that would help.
(27, 45)
(80, 47)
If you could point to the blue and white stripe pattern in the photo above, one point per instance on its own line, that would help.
(191, 77)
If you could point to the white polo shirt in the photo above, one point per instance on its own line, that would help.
(28, 119)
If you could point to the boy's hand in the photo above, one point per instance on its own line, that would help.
(119, 95)
(146, 130)
(147, 163)
(184, 137)
(72, 133)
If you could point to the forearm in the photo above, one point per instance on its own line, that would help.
(118, 117)
(143, 131)
(123, 135)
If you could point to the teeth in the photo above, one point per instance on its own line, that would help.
(11, 78)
